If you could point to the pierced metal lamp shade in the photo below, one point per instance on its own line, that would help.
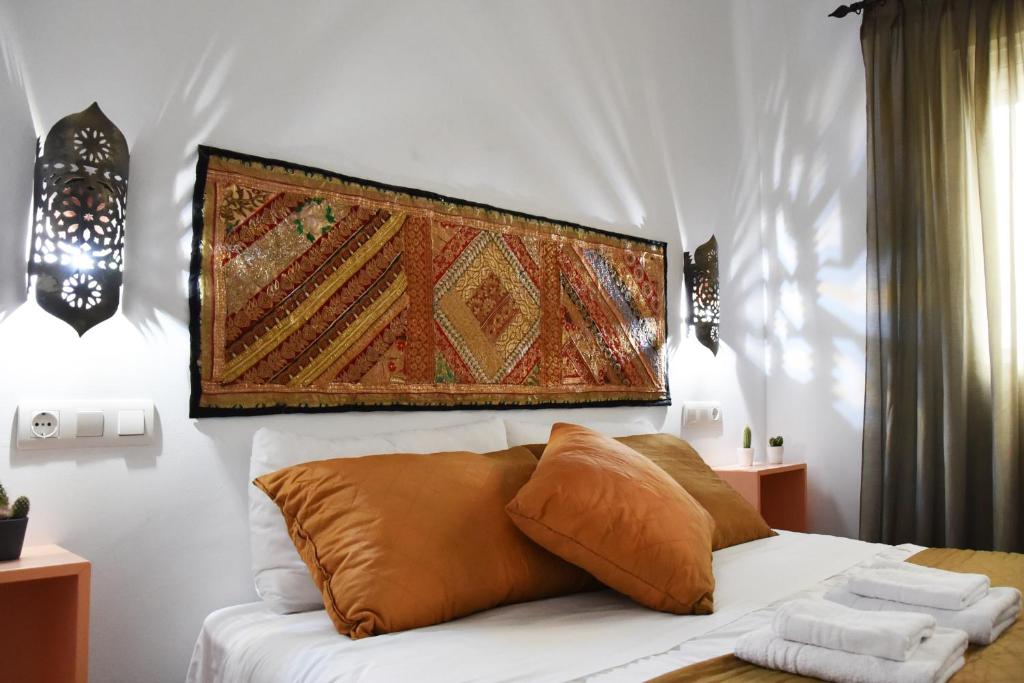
(700, 270)
(81, 184)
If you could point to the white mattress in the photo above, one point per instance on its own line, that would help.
(600, 636)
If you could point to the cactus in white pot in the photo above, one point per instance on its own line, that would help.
(745, 454)
(775, 450)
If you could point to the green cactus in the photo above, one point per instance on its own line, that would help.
(20, 508)
(16, 511)
(775, 442)
(746, 437)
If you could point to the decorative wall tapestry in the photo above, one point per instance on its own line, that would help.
(315, 291)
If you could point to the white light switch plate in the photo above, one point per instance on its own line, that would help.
(100, 423)
(706, 413)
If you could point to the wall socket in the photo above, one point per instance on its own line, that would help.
(85, 423)
(45, 425)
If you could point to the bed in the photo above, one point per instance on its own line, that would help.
(602, 636)
(597, 636)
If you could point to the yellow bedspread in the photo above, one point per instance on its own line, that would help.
(1003, 660)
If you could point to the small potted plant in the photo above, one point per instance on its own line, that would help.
(13, 520)
(746, 453)
(775, 450)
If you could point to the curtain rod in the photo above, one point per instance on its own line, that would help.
(856, 8)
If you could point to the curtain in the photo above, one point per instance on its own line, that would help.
(942, 452)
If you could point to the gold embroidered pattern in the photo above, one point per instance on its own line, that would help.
(313, 291)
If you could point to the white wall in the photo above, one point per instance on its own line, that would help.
(634, 117)
(810, 109)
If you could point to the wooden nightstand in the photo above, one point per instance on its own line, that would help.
(778, 492)
(44, 601)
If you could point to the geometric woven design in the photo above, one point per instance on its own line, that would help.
(487, 308)
(316, 291)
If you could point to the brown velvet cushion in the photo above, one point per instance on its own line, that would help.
(609, 510)
(736, 520)
(401, 541)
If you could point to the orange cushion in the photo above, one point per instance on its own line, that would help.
(400, 541)
(736, 520)
(609, 510)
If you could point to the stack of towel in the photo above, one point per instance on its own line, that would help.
(892, 621)
(954, 599)
(814, 637)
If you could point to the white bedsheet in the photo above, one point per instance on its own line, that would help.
(722, 640)
(601, 635)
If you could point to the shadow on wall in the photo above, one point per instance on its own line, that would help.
(159, 243)
(203, 107)
(709, 133)
(17, 151)
(811, 109)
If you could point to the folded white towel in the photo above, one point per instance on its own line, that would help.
(917, 585)
(893, 635)
(984, 621)
(934, 661)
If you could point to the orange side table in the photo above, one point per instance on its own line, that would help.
(778, 492)
(44, 600)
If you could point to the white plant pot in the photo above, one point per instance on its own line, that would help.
(775, 455)
(745, 457)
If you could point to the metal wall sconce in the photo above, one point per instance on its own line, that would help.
(700, 270)
(81, 187)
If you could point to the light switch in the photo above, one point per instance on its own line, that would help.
(89, 423)
(131, 422)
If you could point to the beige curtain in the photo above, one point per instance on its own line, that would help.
(942, 460)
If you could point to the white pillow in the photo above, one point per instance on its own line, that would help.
(522, 433)
(281, 577)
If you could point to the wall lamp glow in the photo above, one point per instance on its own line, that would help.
(81, 187)
(700, 270)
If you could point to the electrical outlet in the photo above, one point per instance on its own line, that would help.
(45, 424)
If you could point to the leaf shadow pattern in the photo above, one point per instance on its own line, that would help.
(810, 101)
